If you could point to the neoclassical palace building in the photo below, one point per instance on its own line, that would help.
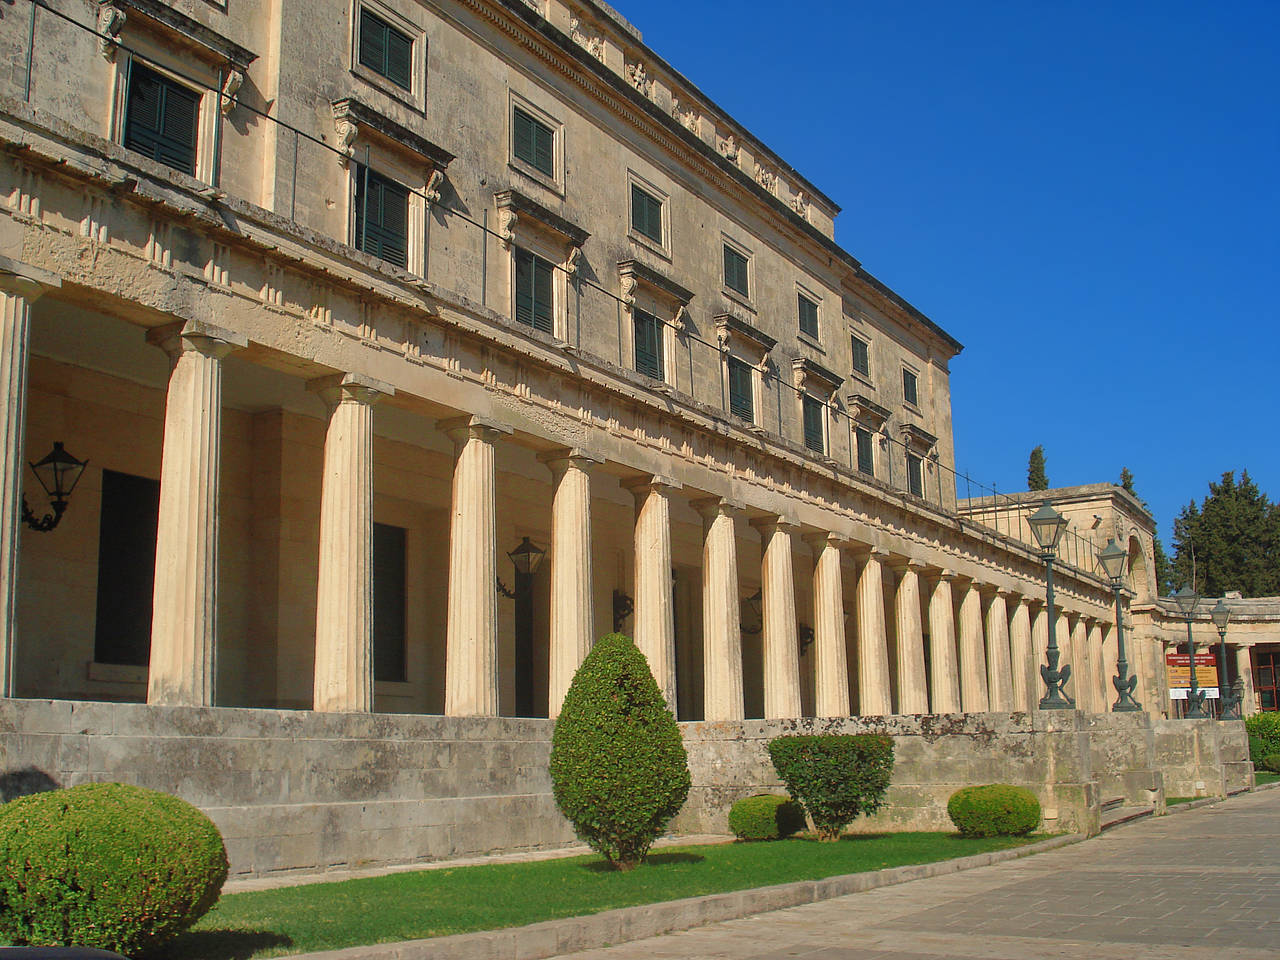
(396, 349)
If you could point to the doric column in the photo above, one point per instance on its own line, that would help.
(1063, 633)
(1022, 655)
(655, 624)
(1097, 667)
(831, 667)
(1244, 667)
(721, 614)
(1040, 645)
(471, 638)
(1082, 668)
(184, 605)
(20, 285)
(913, 686)
(944, 678)
(572, 627)
(999, 670)
(873, 645)
(781, 651)
(973, 658)
(343, 679)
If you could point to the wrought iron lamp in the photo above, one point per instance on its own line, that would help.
(1047, 526)
(58, 473)
(1187, 600)
(1112, 558)
(526, 558)
(1228, 702)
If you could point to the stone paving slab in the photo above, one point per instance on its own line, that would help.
(1205, 883)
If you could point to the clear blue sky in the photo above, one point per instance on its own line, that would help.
(1086, 195)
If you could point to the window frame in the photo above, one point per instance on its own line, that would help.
(662, 245)
(805, 296)
(639, 317)
(862, 435)
(752, 380)
(808, 402)
(517, 249)
(207, 115)
(357, 211)
(735, 249)
(866, 355)
(915, 479)
(555, 179)
(415, 94)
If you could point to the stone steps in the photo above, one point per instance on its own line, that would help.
(1117, 815)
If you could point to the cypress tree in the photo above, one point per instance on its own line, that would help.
(1036, 478)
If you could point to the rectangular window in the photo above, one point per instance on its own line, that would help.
(386, 50)
(808, 316)
(646, 214)
(910, 392)
(533, 142)
(866, 451)
(648, 335)
(534, 304)
(389, 603)
(161, 117)
(814, 435)
(382, 217)
(861, 356)
(735, 271)
(915, 475)
(741, 390)
(126, 568)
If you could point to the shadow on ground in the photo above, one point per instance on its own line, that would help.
(221, 945)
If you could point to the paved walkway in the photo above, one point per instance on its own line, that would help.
(1198, 883)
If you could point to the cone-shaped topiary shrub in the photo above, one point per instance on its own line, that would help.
(835, 776)
(766, 816)
(994, 810)
(618, 766)
(105, 865)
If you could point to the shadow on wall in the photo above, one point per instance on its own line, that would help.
(19, 783)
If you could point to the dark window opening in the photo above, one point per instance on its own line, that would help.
(382, 217)
(915, 475)
(126, 568)
(910, 392)
(386, 50)
(741, 390)
(389, 604)
(533, 291)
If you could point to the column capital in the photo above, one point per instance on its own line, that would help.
(1009, 595)
(560, 459)
(24, 280)
(207, 339)
(900, 565)
(349, 388)
(773, 523)
(947, 575)
(817, 539)
(469, 427)
(711, 507)
(867, 552)
(651, 481)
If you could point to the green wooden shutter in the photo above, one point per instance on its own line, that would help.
(808, 311)
(735, 271)
(813, 433)
(533, 142)
(161, 118)
(543, 149)
(524, 287)
(646, 214)
(909, 387)
(861, 360)
(915, 478)
(741, 392)
(648, 338)
(386, 50)
(866, 455)
(382, 218)
(543, 318)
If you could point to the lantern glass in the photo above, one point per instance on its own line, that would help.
(527, 556)
(59, 472)
(1221, 615)
(1112, 558)
(1047, 525)
(1187, 599)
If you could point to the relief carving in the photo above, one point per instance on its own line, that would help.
(639, 79)
(507, 219)
(110, 22)
(226, 99)
(800, 203)
(765, 177)
(592, 43)
(688, 118)
(728, 148)
(347, 133)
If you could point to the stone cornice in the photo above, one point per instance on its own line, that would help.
(363, 115)
(192, 30)
(522, 204)
(655, 280)
(727, 326)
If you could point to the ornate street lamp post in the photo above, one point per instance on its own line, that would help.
(1187, 600)
(1047, 526)
(1228, 703)
(58, 473)
(1112, 558)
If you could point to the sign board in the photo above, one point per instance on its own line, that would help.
(1178, 668)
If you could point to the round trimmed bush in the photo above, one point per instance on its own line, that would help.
(105, 865)
(994, 810)
(766, 816)
(1264, 734)
(619, 770)
(837, 777)
(1271, 763)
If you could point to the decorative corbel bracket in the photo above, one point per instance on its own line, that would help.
(629, 286)
(570, 265)
(432, 191)
(681, 321)
(111, 21)
(507, 220)
(230, 87)
(347, 130)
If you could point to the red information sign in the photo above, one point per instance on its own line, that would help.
(1178, 667)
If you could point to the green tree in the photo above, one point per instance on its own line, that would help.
(619, 770)
(1036, 478)
(1229, 541)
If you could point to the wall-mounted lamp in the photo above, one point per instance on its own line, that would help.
(58, 473)
(623, 607)
(526, 558)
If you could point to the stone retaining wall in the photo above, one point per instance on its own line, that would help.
(303, 791)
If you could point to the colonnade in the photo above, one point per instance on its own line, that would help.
(979, 652)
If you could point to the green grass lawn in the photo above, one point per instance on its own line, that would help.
(1261, 777)
(1174, 801)
(433, 903)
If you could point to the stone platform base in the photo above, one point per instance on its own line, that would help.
(303, 791)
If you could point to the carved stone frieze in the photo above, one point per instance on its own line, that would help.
(589, 40)
(728, 148)
(639, 79)
(765, 177)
